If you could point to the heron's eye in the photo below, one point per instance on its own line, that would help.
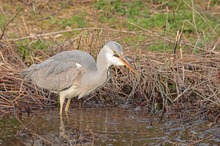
(116, 55)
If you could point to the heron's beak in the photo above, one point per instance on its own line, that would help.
(126, 63)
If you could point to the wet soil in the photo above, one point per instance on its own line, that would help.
(105, 126)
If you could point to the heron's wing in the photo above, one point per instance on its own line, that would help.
(56, 75)
(61, 71)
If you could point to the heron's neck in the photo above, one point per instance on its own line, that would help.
(102, 62)
(102, 65)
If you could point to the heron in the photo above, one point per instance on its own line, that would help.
(75, 73)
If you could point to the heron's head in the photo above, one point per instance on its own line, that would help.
(115, 55)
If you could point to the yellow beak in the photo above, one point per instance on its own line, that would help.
(126, 63)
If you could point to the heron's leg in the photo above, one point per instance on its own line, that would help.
(68, 104)
(62, 99)
(80, 102)
(63, 131)
(67, 117)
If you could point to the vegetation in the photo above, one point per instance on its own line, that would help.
(174, 45)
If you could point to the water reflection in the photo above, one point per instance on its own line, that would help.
(73, 135)
(101, 126)
(108, 125)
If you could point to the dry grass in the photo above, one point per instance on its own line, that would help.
(16, 95)
(176, 79)
(163, 80)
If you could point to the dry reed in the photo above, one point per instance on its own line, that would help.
(163, 80)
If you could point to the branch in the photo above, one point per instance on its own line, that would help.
(3, 31)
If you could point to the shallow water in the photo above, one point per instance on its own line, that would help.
(105, 126)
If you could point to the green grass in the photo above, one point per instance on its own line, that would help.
(159, 47)
(125, 15)
(38, 44)
(75, 21)
(2, 21)
(26, 47)
(138, 12)
(168, 16)
(131, 41)
(22, 47)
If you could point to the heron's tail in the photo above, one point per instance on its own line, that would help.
(28, 71)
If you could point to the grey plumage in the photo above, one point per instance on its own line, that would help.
(75, 73)
(59, 72)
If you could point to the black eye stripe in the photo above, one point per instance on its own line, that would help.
(116, 55)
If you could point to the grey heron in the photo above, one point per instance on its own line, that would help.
(75, 73)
